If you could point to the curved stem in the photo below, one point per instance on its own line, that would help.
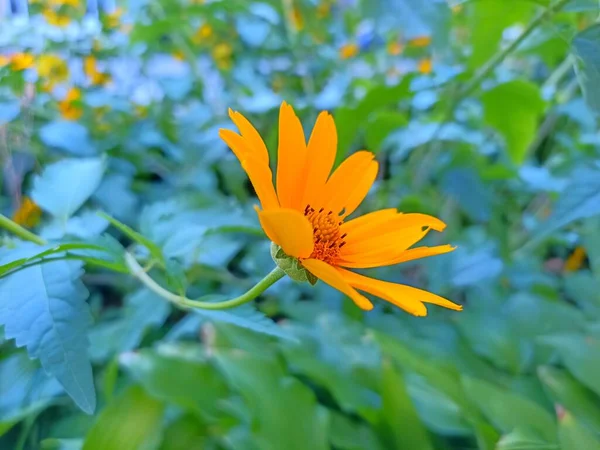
(137, 271)
(18, 230)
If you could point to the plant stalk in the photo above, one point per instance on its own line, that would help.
(184, 302)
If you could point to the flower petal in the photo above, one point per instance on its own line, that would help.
(321, 150)
(392, 224)
(362, 262)
(350, 183)
(251, 136)
(368, 220)
(385, 244)
(259, 173)
(289, 229)
(406, 297)
(291, 158)
(332, 277)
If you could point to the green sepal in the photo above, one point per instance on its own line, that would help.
(291, 266)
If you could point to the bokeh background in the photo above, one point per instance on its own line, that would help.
(482, 113)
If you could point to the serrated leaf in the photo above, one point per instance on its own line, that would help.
(127, 423)
(44, 308)
(514, 109)
(63, 187)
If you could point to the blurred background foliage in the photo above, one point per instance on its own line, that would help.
(482, 113)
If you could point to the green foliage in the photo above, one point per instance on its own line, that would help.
(482, 113)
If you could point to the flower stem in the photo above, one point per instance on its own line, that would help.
(18, 230)
(179, 300)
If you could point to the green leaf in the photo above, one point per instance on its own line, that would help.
(246, 316)
(581, 355)
(514, 109)
(44, 308)
(142, 310)
(398, 408)
(186, 433)
(520, 439)
(574, 436)
(380, 127)
(586, 46)
(127, 423)
(66, 185)
(61, 444)
(285, 413)
(346, 434)
(177, 375)
(507, 410)
(574, 397)
(580, 199)
(25, 389)
(154, 249)
(489, 19)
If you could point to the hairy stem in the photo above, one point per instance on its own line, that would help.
(179, 300)
(19, 231)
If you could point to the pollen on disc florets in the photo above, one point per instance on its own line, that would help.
(326, 234)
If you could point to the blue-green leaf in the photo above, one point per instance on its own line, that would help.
(69, 136)
(44, 308)
(65, 185)
(586, 46)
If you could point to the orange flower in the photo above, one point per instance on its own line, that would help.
(420, 41)
(395, 48)
(576, 260)
(28, 214)
(306, 214)
(348, 51)
(70, 107)
(56, 19)
(202, 34)
(296, 19)
(425, 66)
(91, 70)
(21, 61)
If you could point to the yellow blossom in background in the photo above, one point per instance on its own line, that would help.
(4, 61)
(21, 61)
(395, 48)
(305, 212)
(53, 70)
(222, 54)
(420, 41)
(59, 3)
(348, 51)
(297, 20)
(113, 19)
(55, 18)
(575, 260)
(140, 111)
(203, 33)
(91, 70)
(425, 66)
(70, 107)
(178, 55)
(28, 214)
(323, 10)
(456, 9)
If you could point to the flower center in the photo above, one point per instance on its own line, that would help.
(326, 234)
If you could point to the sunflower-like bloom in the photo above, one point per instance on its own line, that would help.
(306, 212)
